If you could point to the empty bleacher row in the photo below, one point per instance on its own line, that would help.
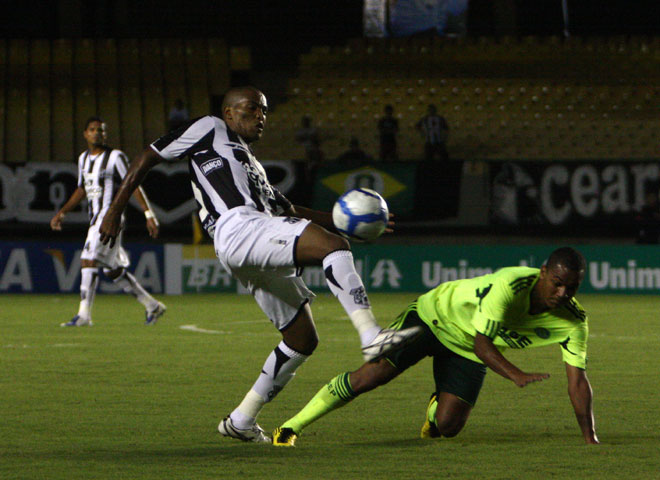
(48, 88)
(503, 98)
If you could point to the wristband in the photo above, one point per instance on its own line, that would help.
(149, 214)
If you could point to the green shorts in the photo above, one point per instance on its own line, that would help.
(453, 373)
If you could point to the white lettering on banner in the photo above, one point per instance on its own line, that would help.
(66, 277)
(148, 273)
(433, 273)
(386, 268)
(602, 275)
(584, 190)
(16, 271)
(220, 275)
(6, 192)
(199, 274)
(643, 173)
(591, 191)
(615, 194)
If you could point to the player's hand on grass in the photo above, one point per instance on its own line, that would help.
(110, 227)
(524, 379)
(56, 222)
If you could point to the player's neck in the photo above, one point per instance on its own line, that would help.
(95, 149)
(536, 306)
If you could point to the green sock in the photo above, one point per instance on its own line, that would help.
(335, 394)
(431, 411)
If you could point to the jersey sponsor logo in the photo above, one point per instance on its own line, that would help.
(291, 220)
(513, 339)
(543, 333)
(210, 165)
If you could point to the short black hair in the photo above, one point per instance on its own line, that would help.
(92, 120)
(569, 258)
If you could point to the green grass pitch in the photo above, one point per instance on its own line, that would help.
(124, 401)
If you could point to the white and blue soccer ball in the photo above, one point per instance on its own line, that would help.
(360, 214)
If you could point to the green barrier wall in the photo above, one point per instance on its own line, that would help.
(633, 269)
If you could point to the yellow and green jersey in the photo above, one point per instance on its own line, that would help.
(497, 305)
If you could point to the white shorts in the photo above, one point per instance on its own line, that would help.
(259, 251)
(105, 256)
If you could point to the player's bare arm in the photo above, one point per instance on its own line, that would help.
(152, 221)
(134, 176)
(319, 217)
(491, 356)
(73, 201)
(581, 395)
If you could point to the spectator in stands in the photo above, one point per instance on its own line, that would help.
(354, 156)
(308, 136)
(178, 115)
(648, 220)
(388, 128)
(435, 130)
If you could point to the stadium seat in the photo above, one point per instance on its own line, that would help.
(16, 144)
(84, 87)
(63, 128)
(39, 113)
(3, 67)
(130, 100)
(107, 93)
(154, 109)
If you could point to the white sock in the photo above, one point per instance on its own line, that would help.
(278, 370)
(347, 286)
(129, 284)
(88, 283)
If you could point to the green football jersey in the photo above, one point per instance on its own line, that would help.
(497, 305)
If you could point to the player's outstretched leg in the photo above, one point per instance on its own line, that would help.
(317, 244)
(277, 371)
(129, 284)
(337, 393)
(88, 284)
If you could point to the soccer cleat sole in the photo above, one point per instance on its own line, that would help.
(284, 437)
(389, 341)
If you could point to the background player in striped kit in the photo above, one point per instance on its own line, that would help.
(435, 130)
(264, 241)
(100, 170)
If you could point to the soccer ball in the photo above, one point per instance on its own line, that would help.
(360, 214)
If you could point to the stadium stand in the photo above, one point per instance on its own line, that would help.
(48, 89)
(531, 97)
(503, 98)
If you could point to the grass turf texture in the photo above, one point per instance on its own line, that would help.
(121, 400)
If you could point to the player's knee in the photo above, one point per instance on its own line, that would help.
(333, 242)
(113, 274)
(449, 427)
(309, 344)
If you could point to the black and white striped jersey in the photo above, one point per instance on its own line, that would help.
(100, 175)
(435, 129)
(223, 171)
